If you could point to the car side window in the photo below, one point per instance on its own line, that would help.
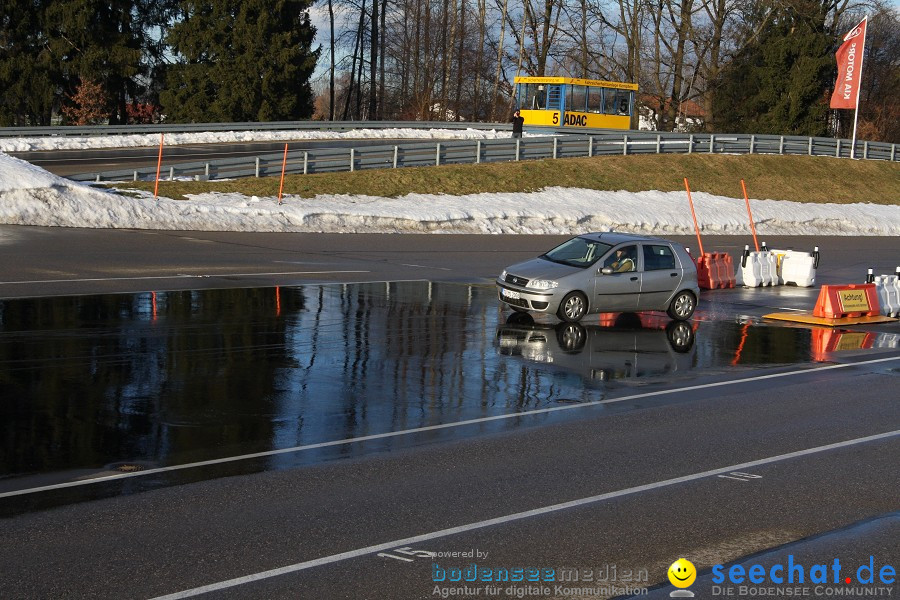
(622, 260)
(657, 258)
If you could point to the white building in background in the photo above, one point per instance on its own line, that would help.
(691, 116)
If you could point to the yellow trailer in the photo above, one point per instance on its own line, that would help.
(572, 102)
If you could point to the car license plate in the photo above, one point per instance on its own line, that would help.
(510, 294)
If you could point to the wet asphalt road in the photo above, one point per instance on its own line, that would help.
(763, 440)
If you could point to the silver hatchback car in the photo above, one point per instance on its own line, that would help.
(604, 272)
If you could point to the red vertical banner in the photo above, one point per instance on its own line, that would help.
(849, 62)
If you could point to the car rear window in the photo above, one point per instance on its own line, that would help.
(658, 257)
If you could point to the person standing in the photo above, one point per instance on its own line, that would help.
(517, 121)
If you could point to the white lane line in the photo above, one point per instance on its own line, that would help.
(178, 276)
(514, 517)
(390, 434)
(425, 267)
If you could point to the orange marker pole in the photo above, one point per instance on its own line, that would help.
(693, 214)
(283, 165)
(158, 165)
(750, 214)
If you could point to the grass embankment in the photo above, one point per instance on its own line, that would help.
(798, 178)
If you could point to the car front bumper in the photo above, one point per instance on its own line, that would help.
(538, 301)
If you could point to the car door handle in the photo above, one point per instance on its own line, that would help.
(634, 278)
(673, 274)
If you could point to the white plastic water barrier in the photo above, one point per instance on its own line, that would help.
(757, 269)
(795, 267)
(888, 289)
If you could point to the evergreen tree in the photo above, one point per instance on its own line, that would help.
(98, 41)
(778, 84)
(28, 83)
(240, 60)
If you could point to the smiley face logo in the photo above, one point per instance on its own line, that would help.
(682, 573)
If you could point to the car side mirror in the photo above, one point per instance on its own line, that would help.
(606, 271)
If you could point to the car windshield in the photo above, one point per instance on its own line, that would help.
(577, 252)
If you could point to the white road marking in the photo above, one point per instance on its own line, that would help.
(513, 517)
(426, 267)
(178, 276)
(389, 434)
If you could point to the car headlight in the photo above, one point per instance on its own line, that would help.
(503, 275)
(543, 284)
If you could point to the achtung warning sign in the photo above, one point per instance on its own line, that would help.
(853, 301)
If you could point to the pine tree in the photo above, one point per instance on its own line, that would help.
(778, 84)
(240, 60)
(28, 83)
(98, 41)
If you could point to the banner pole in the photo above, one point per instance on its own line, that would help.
(862, 58)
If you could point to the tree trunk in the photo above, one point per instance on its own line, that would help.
(499, 61)
(331, 74)
(380, 115)
(373, 62)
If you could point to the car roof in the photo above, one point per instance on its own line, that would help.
(615, 237)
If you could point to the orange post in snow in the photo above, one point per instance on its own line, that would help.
(693, 214)
(750, 214)
(283, 165)
(158, 165)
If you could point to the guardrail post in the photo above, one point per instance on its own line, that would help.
(658, 143)
(837, 152)
(518, 148)
(625, 145)
(691, 144)
(396, 153)
(865, 150)
(555, 140)
(437, 154)
(305, 163)
(352, 158)
(893, 151)
(712, 143)
(781, 145)
(590, 146)
(810, 146)
(752, 143)
(135, 176)
(477, 152)
(206, 171)
(171, 173)
(257, 166)
(98, 177)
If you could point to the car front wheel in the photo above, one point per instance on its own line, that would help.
(572, 308)
(682, 306)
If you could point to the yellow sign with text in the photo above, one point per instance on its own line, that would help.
(853, 301)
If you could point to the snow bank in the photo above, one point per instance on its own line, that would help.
(25, 144)
(31, 196)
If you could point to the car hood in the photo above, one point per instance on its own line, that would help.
(538, 268)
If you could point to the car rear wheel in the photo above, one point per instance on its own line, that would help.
(572, 308)
(682, 306)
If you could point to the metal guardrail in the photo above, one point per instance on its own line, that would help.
(99, 130)
(421, 154)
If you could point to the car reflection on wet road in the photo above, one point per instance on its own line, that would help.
(93, 385)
